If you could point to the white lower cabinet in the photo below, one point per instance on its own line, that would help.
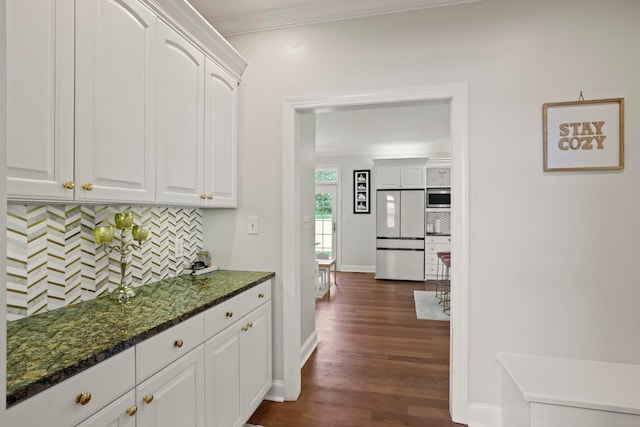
(435, 244)
(175, 378)
(238, 369)
(174, 396)
(120, 413)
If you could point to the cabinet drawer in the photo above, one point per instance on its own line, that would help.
(439, 239)
(57, 405)
(434, 248)
(162, 349)
(225, 314)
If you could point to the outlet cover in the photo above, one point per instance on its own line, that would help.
(252, 225)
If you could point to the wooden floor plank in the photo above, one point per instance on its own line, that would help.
(376, 364)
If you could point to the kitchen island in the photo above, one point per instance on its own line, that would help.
(45, 349)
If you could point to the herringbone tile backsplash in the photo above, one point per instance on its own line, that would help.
(53, 260)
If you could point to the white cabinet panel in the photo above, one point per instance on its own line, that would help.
(222, 358)
(255, 357)
(174, 396)
(115, 104)
(220, 135)
(180, 130)
(40, 80)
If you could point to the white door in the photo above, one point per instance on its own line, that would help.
(40, 73)
(220, 136)
(325, 222)
(180, 129)
(115, 104)
(255, 357)
(174, 396)
(222, 370)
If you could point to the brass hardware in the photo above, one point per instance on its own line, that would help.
(245, 328)
(83, 398)
(148, 398)
(178, 343)
(229, 313)
(203, 196)
(131, 411)
(261, 296)
(87, 186)
(210, 196)
(68, 185)
(251, 324)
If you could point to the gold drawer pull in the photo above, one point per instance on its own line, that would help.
(245, 328)
(83, 398)
(203, 196)
(229, 313)
(210, 196)
(69, 185)
(251, 324)
(178, 343)
(87, 186)
(260, 295)
(148, 398)
(131, 411)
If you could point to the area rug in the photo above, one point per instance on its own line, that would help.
(427, 306)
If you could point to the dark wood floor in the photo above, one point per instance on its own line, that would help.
(376, 365)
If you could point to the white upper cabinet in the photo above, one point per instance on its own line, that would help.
(115, 103)
(401, 173)
(40, 73)
(220, 135)
(180, 130)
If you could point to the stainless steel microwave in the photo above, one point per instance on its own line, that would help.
(439, 197)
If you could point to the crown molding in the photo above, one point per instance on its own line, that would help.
(315, 13)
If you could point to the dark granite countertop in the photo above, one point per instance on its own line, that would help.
(47, 348)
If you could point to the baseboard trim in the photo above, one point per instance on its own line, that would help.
(358, 268)
(484, 415)
(276, 392)
(307, 348)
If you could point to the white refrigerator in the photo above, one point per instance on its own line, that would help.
(400, 217)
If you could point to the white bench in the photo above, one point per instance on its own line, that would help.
(552, 392)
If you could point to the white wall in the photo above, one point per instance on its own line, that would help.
(553, 266)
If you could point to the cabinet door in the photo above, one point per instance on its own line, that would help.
(220, 136)
(255, 357)
(413, 177)
(180, 129)
(39, 98)
(115, 104)
(120, 413)
(174, 396)
(222, 370)
(388, 177)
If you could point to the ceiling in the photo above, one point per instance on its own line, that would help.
(391, 130)
(231, 17)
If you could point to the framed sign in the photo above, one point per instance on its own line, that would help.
(584, 135)
(361, 192)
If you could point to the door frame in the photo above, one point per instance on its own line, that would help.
(457, 95)
(336, 214)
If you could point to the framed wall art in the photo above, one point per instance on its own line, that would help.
(361, 192)
(584, 135)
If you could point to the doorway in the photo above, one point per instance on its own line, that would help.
(457, 95)
(325, 223)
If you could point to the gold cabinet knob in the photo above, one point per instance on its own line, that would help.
(229, 313)
(203, 196)
(83, 398)
(148, 398)
(260, 296)
(209, 196)
(245, 328)
(69, 185)
(131, 411)
(87, 186)
(251, 324)
(178, 343)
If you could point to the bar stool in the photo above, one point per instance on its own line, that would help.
(446, 300)
(439, 275)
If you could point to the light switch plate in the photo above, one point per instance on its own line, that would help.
(252, 225)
